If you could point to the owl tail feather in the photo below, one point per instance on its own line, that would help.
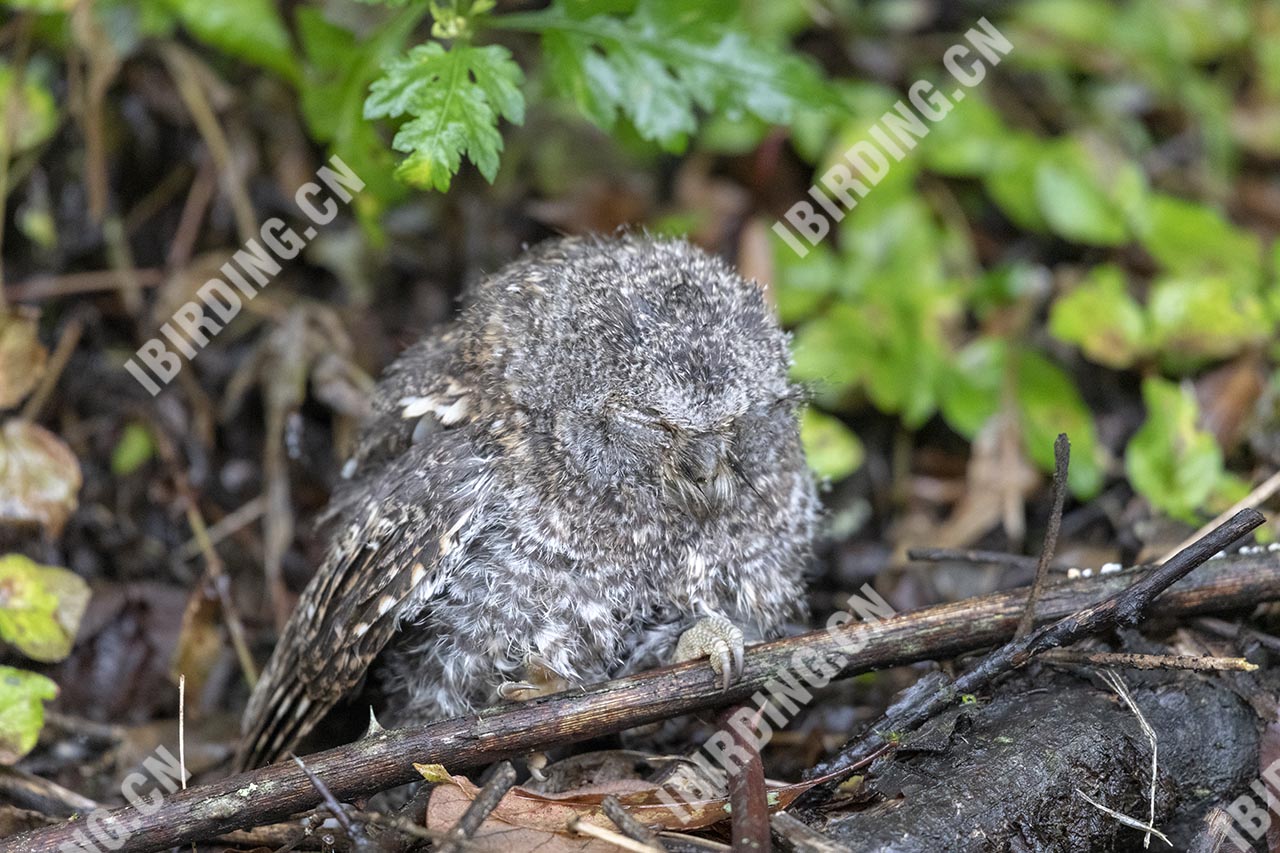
(281, 720)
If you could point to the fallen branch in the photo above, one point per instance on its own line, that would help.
(1124, 608)
(386, 759)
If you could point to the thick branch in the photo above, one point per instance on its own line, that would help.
(386, 760)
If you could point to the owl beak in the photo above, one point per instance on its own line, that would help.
(701, 457)
(706, 480)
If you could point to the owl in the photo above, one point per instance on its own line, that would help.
(596, 468)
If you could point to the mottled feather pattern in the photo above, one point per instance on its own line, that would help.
(599, 451)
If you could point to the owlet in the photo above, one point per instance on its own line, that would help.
(594, 469)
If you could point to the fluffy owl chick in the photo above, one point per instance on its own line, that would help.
(594, 469)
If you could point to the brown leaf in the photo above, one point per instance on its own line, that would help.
(39, 476)
(22, 357)
(526, 819)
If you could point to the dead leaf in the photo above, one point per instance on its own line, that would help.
(526, 820)
(39, 476)
(22, 356)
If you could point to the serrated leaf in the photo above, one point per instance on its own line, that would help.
(831, 448)
(40, 607)
(247, 29)
(22, 357)
(39, 476)
(454, 99)
(1171, 461)
(1102, 318)
(22, 698)
(666, 60)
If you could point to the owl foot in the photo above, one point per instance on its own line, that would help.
(540, 680)
(717, 638)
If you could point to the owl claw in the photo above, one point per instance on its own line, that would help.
(718, 639)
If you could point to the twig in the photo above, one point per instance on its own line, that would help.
(1123, 608)
(1129, 660)
(383, 761)
(1122, 691)
(1061, 463)
(28, 791)
(618, 840)
(502, 780)
(632, 828)
(57, 363)
(960, 555)
(355, 833)
(183, 67)
(748, 798)
(798, 837)
(1262, 492)
(72, 284)
(1124, 818)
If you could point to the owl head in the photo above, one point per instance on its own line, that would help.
(642, 367)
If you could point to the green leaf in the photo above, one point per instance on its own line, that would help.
(1102, 318)
(39, 6)
(454, 99)
(339, 70)
(829, 351)
(970, 391)
(134, 449)
(1194, 321)
(33, 112)
(664, 61)
(1049, 404)
(802, 285)
(1011, 180)
(833, 451)
(248, 29)
(22, 698)
(1074, 200)
(1193, 240)
(961, 145)
(1171, 461)
(40, 607)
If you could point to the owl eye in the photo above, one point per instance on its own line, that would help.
(642, 424)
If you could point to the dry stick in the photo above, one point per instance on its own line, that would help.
(964, 555)
(1128, 660)
(748, 798)
(385, 760)
(39, 288)
(57, 363)
(504, 777)
(1259, 495)
(795, 836)
(1124, 608)
(631, 828)
(359, 841)
(1061, 463)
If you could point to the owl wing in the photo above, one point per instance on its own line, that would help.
(405, 527)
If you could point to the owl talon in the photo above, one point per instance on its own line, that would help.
(517, 691)
(718, 639)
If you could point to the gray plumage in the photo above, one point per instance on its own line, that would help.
(599, 452)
